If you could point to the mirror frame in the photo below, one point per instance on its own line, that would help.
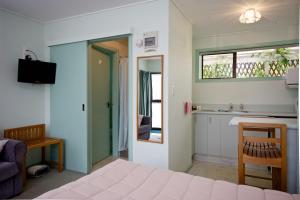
(162, 98)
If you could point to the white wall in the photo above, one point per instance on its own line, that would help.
(246, 92)
(135, 19)
(20, 103)
(180, 90)
(251, 37)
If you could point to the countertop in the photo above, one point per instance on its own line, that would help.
(271, 114)
(291, 123)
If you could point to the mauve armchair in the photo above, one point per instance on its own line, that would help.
(12, 168)
(145, 128)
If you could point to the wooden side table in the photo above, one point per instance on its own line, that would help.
(34, 137)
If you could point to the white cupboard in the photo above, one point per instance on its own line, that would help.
(229, 137)
(200, 136)
(214, 137)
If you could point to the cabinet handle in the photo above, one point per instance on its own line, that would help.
(209, 120)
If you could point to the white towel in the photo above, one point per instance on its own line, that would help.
(2, 144)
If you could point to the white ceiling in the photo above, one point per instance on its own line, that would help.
(213, 17)
(209, 17)
(48, 10)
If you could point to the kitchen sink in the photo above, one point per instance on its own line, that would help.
(228, 111)
(238, 112)
(233, 111)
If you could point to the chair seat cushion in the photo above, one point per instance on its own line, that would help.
(7, 170)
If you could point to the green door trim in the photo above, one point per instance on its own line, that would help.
(109, 38)
(130, 97)
(103, 50)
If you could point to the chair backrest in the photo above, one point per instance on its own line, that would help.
(264, 128)
(264, 151)
(26, 133)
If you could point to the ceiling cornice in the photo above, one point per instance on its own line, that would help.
(21, 15)
(99, 11)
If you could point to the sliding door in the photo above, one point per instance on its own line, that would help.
(68, 103)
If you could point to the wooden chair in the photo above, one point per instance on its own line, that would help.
(266, 151)
(34, 137)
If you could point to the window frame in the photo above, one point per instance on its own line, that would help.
(203, 52)
(233, 65)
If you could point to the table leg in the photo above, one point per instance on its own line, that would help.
(60, 156)
(24, 171)
(276, 178)
(43, 154)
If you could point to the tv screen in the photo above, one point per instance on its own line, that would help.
(32, 71)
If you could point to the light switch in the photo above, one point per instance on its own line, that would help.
(173, 90)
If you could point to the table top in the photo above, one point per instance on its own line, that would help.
(31, 144)
(290, 123)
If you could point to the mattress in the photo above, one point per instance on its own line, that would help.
(130, 181)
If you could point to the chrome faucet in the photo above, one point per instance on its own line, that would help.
(230, 107)
(242, 107)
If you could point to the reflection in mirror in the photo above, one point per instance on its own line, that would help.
(150, 98)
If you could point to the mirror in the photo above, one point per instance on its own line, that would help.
(150, 99)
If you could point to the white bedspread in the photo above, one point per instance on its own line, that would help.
(129, 181)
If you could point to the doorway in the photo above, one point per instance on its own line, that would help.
(108, 103)
(100, 103)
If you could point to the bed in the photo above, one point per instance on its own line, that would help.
(130, 181)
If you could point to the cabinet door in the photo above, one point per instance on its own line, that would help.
(229, 137)
(213, 135)
(201, 134)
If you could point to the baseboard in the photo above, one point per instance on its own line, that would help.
(216, 160)
(189, 168)
(224, 161)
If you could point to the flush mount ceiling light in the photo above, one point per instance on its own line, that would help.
(250, 16)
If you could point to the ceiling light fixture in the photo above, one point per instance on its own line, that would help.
(250, 16)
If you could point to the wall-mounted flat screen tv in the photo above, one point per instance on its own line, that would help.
(35, 71)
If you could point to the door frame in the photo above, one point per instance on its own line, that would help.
(114, 84)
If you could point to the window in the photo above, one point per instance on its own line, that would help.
(156, 100)
(218, 66)
(248, 64)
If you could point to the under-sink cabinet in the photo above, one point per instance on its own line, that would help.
(214, 137)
